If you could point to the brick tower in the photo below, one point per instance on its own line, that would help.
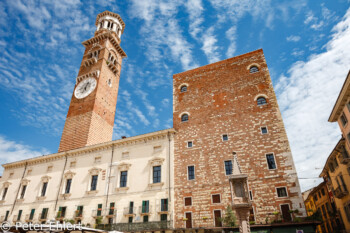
(90, 117)
(226, 108)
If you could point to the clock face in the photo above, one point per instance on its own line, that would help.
(84, 88)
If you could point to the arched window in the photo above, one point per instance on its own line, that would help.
(253, 69)
(184, 117)
(261, 101)
(183, 88)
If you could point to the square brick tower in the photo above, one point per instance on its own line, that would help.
(224, 109)
(90, 117)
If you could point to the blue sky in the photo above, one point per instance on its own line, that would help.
(306, 45)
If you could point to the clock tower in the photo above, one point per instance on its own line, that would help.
(91, 112)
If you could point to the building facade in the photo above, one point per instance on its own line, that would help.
(319, 202)
(224, 108)
(124, 181)
(170, 179)
(336, 171)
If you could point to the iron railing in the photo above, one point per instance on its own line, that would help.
(137, 226)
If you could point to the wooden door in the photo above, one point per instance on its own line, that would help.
(285, 213)
(217, 218)
(189, 220)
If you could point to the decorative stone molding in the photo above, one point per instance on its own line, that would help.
(94, 46)
(253, 64)
(94, 171)
(45, 179)
(25, 181)
(92, 192)
(69, 174)
(156, 161)
(90, 61)
(124, 166)
(41, 198)
(260, 95)
(6, 184)
(122, 189)
(65, 195)
(95, 73)
(156, 185)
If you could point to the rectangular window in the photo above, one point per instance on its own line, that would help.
(31, 216)
(225, 137)
(4, 193)
(98, 159)
(131, 207)
(62, 211)
(111, 208)
(216, 198)
(190, 172)
(43, 190)
(344, 188)
(323, 192)
(130, 220)
(24, 187)
(163, 217)
(271, 161)
(343, 119)
(189, 144)
(145, 218)
(49, 168)
(68, 184)
(123, 178)
(94, 182)
(99, 210)
(282, 192)
(11, 175)
(125, 155)
(164, 205)
(7, 215)
(156, 174)
(19, 215)
(79, 210)
(145, 207)
(44, 213)
(188, 201)
(264, 130)
(348, 137)
(344, 152)
(72, 164)
(228, 167)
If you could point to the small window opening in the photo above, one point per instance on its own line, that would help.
(261, 101)
(184, 117)
(183, 88)
(253, 69)
(264, 130)
(189, 144)
(225, 137)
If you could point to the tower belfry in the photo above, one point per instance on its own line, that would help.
(91, 113)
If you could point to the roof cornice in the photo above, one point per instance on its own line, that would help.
(334, 152)
(110, 14)
(341, 100)
(98, 147)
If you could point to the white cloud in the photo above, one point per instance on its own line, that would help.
(231, 36)
(306, 97)
(11, 151)
(293, 38)
(209, 47)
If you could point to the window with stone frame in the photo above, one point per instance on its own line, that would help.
(344, 152)
(183, 88)
(123, 179)
(184, 117)
(263, 130)
(261, 101)
(189, 144)
(157, 174)
(347, 210)
(188, 201)
(43, 189)
(93, 185)
(271, 161)
(282, 192)
(343, 119)
(228, 167)
(253, 69)
(216, 198)
(191, 175)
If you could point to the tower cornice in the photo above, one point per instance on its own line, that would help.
(110, 14)
(109, 36)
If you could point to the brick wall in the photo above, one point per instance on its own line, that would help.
(90, 120)
(221, 99)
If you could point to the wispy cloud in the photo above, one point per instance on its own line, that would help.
(11, 151)
(293, 38)
(306, 96)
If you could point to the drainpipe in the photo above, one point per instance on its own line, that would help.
(19, 187)
(59, 187)
(109, 175)
(169, 167)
